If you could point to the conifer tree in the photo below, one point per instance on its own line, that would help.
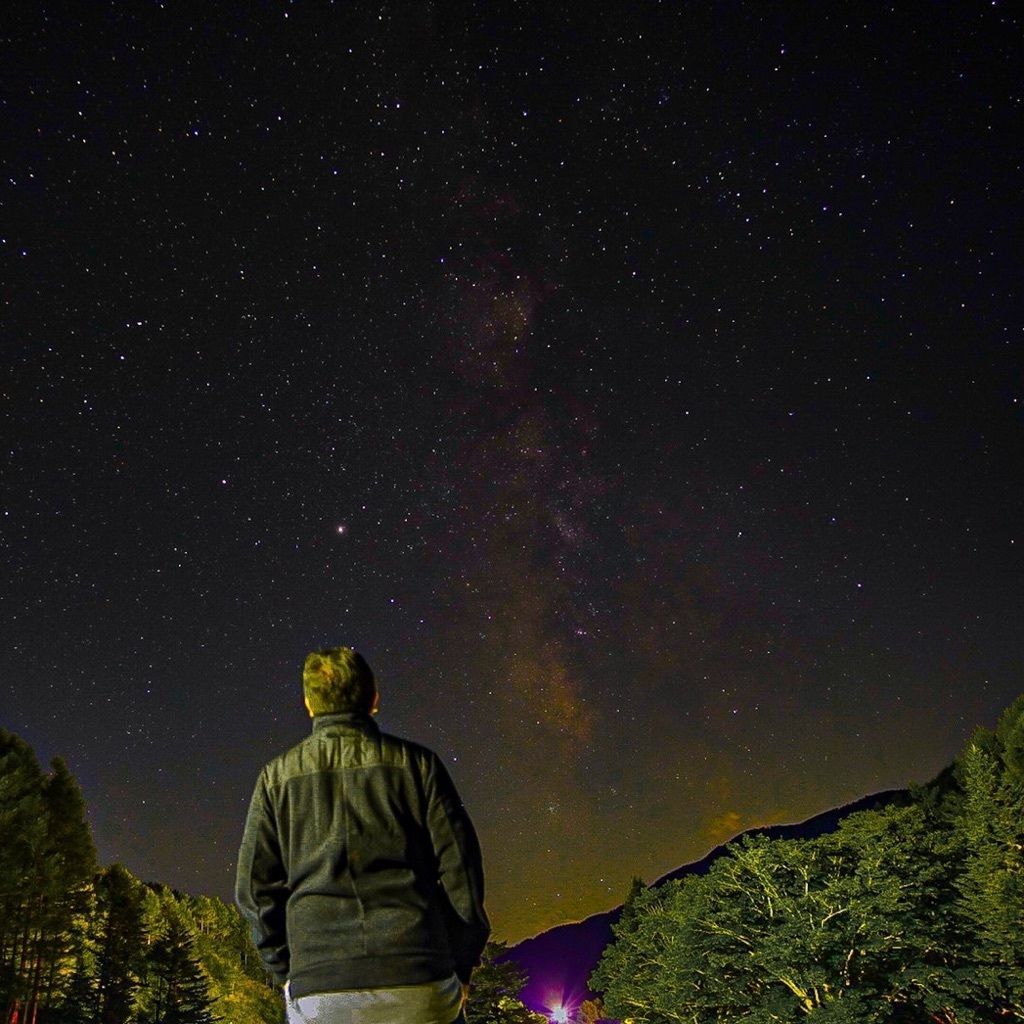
(68, 864)
(627, 917)
(46, 858)
(990, 827)
(23, 833)
(121, 942)
(79, 1004)
(223, 945)
(73, 944)
(494, 991)
(179, 990)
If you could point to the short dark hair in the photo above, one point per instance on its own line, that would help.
(338, 679)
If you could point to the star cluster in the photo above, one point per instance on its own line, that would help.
(640, 391)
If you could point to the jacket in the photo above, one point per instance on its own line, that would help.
(359, 867)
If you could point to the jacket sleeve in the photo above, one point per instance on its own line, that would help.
(261, 889)
(460, 868)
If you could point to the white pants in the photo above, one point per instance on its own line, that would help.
(437, 1002)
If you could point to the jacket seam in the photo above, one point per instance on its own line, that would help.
(331, 771)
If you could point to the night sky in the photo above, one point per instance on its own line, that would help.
(637, 386)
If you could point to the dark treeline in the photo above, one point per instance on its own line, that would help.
(913, 913)
(79, 945)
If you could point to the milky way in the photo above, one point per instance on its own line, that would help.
(639, 391)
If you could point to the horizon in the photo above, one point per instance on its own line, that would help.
(226, 895)
(660, 879)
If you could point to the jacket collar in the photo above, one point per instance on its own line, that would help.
(349, 721)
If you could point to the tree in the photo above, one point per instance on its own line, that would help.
(23, 832)
(46, 862)
(844, 927)
(179, 992)
(989, 829)
(69, 863)
(74, 943)
(628, 915)
(591, 1011)
(495, 988)
(222, 945)
(79, 1005)
(121, 952)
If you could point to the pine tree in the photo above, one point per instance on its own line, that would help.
(47, 859)
(627, 916)
(79, 1004)
(494, 991)
(990, 827)
(73, 944)
(121, 952)
(68, 862)
(179, 990)
(23, 834)
(224, 948)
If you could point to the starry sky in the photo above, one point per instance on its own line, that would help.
(638, 388)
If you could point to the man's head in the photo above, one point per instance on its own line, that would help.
(338, 679)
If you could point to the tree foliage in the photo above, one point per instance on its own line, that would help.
(177, 987)
(911, 913)
(120, 945)
(47, 859)
(82, 946)
(494, 990)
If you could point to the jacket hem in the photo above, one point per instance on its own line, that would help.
(368, 972)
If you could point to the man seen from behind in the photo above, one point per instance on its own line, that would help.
(359, 870)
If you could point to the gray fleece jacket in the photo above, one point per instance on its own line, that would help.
(359, 867)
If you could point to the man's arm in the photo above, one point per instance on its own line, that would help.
(460, 868)
(261, 890)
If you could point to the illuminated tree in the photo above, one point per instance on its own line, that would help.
(179, 991)
(74, 943)
(912, 913)
(222, 945)
(628, 914)
(69, 863)
(121, 952)
(989, 825)
(494, 991)
(23, 832)
(782, 929)
(46, 863)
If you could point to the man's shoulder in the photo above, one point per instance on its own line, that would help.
(408, 749)
(286, 762)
